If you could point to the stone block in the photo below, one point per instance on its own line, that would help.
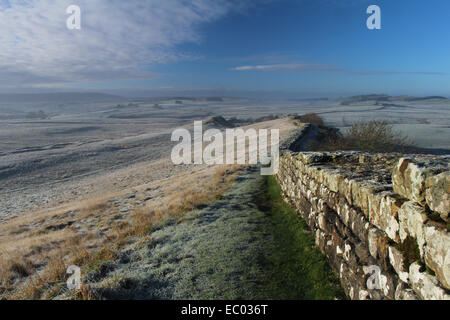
(437, 194)
(437, 252)
(397, 261)
(412, 218)
(425, 285)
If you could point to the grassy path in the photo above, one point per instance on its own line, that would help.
(294, 268)
(247, 245)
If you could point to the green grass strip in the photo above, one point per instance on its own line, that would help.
(294, 268)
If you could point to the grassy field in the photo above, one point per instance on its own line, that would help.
(248, 244)
(35, 250)
(118, 211)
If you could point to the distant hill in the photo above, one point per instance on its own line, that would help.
(59, 97)
(220, 121)
(308, 99)
(384, 98)
(426, 98)
(364, 98)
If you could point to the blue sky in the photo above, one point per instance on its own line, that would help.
(299, 48)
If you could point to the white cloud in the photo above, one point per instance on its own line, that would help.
(118, 39)
(288, 67)
(318, 67)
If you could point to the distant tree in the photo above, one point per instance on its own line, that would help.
(312, 118)
(372, 136)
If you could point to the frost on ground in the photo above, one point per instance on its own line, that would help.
(211, 253)
(229, 249)
(97, 216)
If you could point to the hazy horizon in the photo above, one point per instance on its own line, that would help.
(207, 94)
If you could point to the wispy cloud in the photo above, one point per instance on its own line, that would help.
(300, 67)
(118, 40)
(288, 67)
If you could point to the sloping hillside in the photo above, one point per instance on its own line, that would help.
(249, 244)
(95, 217)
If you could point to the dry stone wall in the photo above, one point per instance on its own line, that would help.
(382, 220)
